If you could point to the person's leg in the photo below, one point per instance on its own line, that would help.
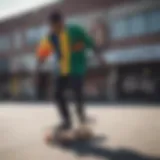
(61, 86)
(77, 88)
(83, 131)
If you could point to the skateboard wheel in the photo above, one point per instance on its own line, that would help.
(48, 137)
(84, 134)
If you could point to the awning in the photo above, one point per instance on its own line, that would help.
(133, 55)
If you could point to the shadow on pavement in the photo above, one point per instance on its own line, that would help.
(93, 149)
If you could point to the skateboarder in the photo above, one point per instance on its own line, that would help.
(69, 43)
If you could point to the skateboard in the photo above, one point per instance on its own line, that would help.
(61, 137)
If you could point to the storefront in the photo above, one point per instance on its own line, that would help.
(136, 74)
(22, 83)
(139, 82)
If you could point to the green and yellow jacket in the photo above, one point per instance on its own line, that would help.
(70, 48)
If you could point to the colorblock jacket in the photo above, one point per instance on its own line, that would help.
(70, 48)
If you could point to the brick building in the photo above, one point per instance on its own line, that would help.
(128, 32)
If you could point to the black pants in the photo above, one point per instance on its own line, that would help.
(75, 83)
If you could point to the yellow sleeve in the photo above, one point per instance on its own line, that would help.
(44, 49)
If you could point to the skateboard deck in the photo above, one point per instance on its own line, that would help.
(55, 137)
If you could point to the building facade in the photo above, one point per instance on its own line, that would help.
(127, 31)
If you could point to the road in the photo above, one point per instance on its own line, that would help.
(125, 133)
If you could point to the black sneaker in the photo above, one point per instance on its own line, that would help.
(63, 127)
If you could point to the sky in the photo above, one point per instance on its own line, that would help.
(9, 8)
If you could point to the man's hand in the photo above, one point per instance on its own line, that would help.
(102, 61)
(99, 56)
(79, 46)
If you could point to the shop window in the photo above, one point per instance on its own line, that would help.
(138, 25)
(154, 21)
(119, 29)
(33, 36)
(4, 43)
(43, 30)
(17, 40)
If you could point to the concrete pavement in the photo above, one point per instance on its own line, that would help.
(130, 133)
